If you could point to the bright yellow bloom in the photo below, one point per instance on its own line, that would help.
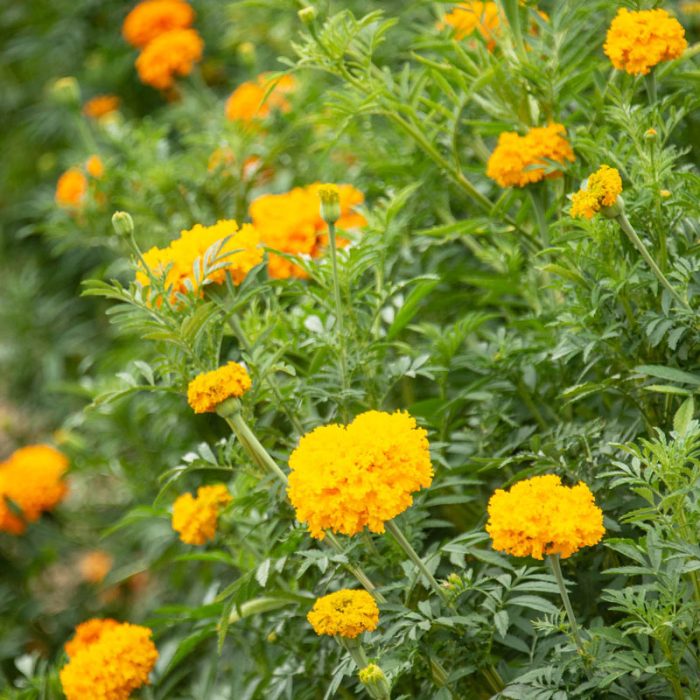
(95, 166)
(468, 17)
(71, 188)
(345, 613)
(151, 18)
(540, 516)
(32, 478)
(95, 565)
(256, 99)
(87, 633)
(195, 518)
(101, 106)
(363, 474)
(115, 664)
(170, 54)
(637, 41)
(206, 391)
(600, 190)
(520, 160)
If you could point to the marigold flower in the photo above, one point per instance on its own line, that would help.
(112, 666)
(101, 106)
(468, 17)
(599, 191)
(194, 519)
(344, 613)
(206, 391)
(170, 54)
(95, 167)
(71, 188)
(95, 565)
(637, 41)
(540, 516)
(32, 478)
(151, 18)
(87, 633)
(363, 474)
(256, 99)
(520, 160)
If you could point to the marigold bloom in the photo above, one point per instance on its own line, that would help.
(115, 664)
(468, 17)
(540, 516)
(206, 391)
(71, 188)
(363, 474)
(256, 99)
(344, 613)
(32, 478)
(95, 565)
(520, 160)
(101, 106)
(151, 18)
(87, 633)
(599, 191)
(194, 519)
(170, 54)
(95, 166)
(637, 41)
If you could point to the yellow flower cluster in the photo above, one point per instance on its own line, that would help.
(256, 99)
(100, 106)
(520, 160)
(108, 660)
(238, 252)
(207, 390)
(468, 17)
(363, 474)
(344, 613)
(637, 41)
(600, 190)
(32, 478)
(291, 223)
(540, 516)
(194, 519)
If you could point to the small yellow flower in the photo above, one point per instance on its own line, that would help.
(206, 391)
(95, 167)
(599, 192)
(194, 519)
(345, 613)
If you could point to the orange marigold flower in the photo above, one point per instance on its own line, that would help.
(71, 188)
(32, 478)
(520, 160)
(87, 633)
(206, 391)
(363, 474)
(637, 41)
(95, 565)
(255, 100)
(468, 17)
(101, 106)
(540, 516)
(599, 191)
(151, 18)
(95, 167)
(194, 519)
(344, 613)
(115, 664)
(170, 54)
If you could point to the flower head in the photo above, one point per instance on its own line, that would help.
(472, 16)
(87, 633)
(101, 106)
(344, 613)
(95, 166)
(71, 188)
(95, 565)
(601, 190)
(520, 160)
(363, 474)
(151, 18)
(195, 518)
(256, 99)
(540, 516)
(169, 54)
(637, 41)
(206, 391)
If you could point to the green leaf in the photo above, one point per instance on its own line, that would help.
(669, 374)
(684, 415)
(410, 307)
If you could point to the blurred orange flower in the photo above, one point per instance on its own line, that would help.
(101, 106)
(151, 18)
(168, 55)
(71, 188)
(256, 99)
(95, 565)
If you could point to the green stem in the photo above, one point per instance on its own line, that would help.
(556, 570)
(355, 649)
(650, 84)
(257, 605)
(538, 207)
(339, 325)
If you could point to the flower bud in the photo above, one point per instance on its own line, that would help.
(650, 135)
(307, 15)
(247, 52)
(66, 91)
(665, 193)
(373, 678)
(330, 203)
(123, 223)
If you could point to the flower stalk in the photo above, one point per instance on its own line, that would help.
(556, 570)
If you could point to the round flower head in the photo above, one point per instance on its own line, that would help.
(540, 516)
(151, 18)
(71, 188)
(469, 17)
(206, 391)
(87, 633)
(170, 54)
(112, 666)
(600, 191)
(94, 566)
(363, 474)
(637, 41)
(195, 518)
(95, 166)
(520, 160)
(101, 106)
(256, 99)
(345, 613)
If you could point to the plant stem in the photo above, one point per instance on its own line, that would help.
(556, 570)
(257, 605)
(355, 649)
(650, 84)
(538, 206)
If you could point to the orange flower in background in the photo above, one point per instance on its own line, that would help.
(599, 191)
(71, 188)
(168, 55)
(95, 565)
(32, 478)
(151, 18)
(637, 41)
(207, 390)
(194, 519)
(255, 100)
(101, 106)
(345, 613)
(468, 17)
(95, 167)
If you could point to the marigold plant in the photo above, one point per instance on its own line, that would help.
(345, 613)
(600, 190)
(151, 18)
(169, 55)
(87, 633)
(71, 188)
(194, 519)
(257, 99)
(472, 16)
(206, 391)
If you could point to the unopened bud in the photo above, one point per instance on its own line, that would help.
(307, 15)
(66, 91)
(123, 223)
(373, 678)
(650, 134)
(229, 408)
(330, 203)
(614, 210)
(665, 193)
(247, 52)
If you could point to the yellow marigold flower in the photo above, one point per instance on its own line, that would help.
(195, 518)
(599, 191)
(540, 516)
(468, 17)
(95, 166)
(363, 474)
(87, 633)
(32, 478)
(94, 566)
(206, 391)
(113, 666)
(520, 160)
(637, 41)
(344, 613)
(71, 188)
(151, 18)
(101, 106)
(256, 99)
(170, 54)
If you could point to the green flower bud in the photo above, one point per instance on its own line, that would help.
(123, 223)
(373, 678)
(307, 15)
(330, 203)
